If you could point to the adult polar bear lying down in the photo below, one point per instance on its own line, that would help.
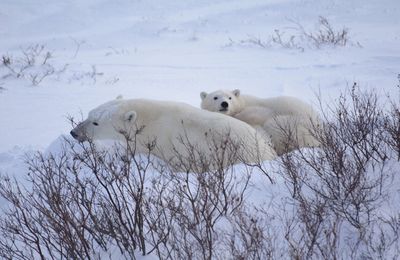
(278, 116)
(170, 124)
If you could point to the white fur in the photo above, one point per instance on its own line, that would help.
(166, 122)
(275, 115)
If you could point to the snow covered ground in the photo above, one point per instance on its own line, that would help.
(173, 50)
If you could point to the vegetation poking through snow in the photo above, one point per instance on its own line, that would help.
(36, 63)
(335, 201)
(299, 38)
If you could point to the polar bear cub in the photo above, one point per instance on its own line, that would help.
(177, 129)
(287, 120)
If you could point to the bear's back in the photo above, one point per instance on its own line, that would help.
(150, 111)
(171, 122)
(282, 105)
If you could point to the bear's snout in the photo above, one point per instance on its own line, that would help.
(224, 104)
(74, 135)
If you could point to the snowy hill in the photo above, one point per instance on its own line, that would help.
(174, 50)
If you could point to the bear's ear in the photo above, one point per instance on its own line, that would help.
(130, 116)
(120, 97)
(203, 95)
(236, 92)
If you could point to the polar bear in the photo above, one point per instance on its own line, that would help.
(176, 129)
(287, 120)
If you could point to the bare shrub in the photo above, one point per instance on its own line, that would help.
(251, 235)
(340, 185)
(36, 63)
(78, 44)
(33, 64)
(203, 194)
(382, 239)
(392, 123)
(85, 201)
(325, 34)
(337, 202)
(298, 38)
(197, 203)
(87, 75)
(250, 41)
(279, 38)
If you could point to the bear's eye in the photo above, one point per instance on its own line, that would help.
(230, 97)
(95, 123)
(215, 98)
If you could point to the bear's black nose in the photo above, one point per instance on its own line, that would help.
(224, 104)
(74, 135)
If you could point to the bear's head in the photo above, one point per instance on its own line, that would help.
(223, 101)
(108, 121)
